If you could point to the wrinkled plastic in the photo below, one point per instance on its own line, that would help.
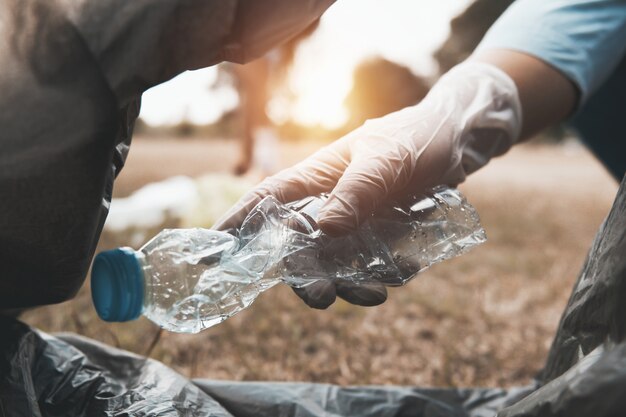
(398, 241)
(196, 278)
(472, 114)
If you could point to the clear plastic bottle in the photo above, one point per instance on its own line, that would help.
(187, 280)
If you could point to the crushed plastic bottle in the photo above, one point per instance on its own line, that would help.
(187, 280)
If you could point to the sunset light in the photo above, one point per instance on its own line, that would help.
(403, 31)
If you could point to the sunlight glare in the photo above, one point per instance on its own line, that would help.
(404, 31)
(320, 96)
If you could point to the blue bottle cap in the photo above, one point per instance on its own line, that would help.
(117, 285)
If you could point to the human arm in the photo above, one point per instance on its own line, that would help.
(528, 86)
(582, 39)
(500, 96)
(546, 95)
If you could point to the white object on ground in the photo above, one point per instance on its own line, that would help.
(151, 205)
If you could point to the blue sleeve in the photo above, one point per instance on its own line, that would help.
(584, 39)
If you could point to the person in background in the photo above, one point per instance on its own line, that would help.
(255, 83)
(541, 63)
(252, 81)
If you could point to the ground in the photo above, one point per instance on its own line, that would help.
(484, 319)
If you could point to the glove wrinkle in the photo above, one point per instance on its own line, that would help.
(332, 216)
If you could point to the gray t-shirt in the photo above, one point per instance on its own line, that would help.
(71, 80)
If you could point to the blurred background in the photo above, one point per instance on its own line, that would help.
(207, 136)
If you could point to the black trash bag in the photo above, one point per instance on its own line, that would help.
(69, 375)
(585, 374)
(269, 399)
(594, 387)
(42, 375)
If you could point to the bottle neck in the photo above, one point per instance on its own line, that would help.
(145, 268)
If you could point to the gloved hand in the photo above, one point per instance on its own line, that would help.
(472, 114)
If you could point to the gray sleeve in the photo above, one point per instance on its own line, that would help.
(583, 39)
(72, 76)
(141, 43)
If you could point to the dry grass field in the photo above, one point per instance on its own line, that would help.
(485, 319)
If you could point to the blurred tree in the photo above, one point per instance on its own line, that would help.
(466, 31)
(380, 87)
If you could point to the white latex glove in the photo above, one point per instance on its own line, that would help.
(471, 115)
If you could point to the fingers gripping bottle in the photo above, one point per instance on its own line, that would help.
(187, 280)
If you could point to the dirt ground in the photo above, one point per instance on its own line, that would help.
(157, 159)
(486, 318)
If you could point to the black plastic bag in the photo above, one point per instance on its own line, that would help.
(68, 375)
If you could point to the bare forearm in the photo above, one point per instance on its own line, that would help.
(546, 95)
